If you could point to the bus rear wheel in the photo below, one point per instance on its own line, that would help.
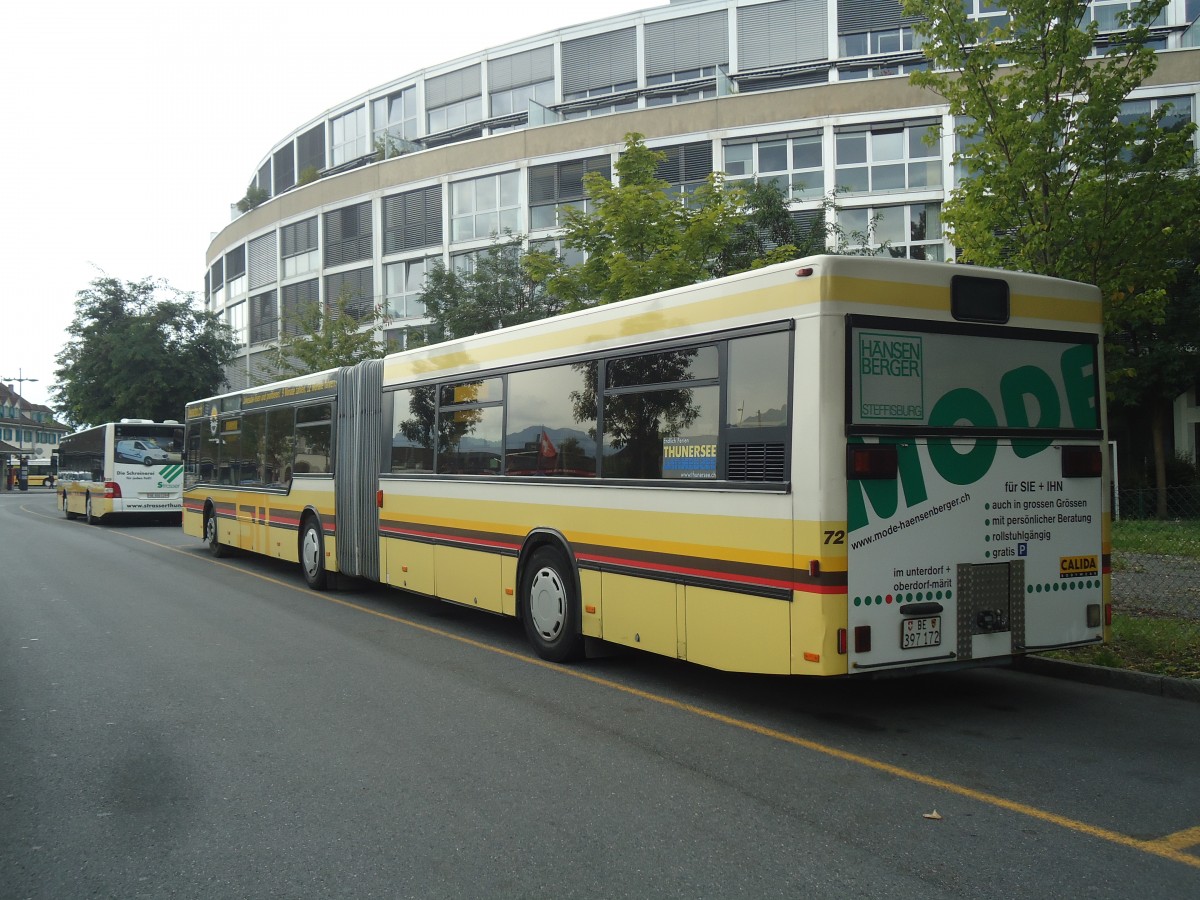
(215, 547)
(312, 555)
(88, 516)
(66, 512)
(549, 607)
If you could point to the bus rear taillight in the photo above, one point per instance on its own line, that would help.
(1081, 462)
(112, 490)
(865, 462)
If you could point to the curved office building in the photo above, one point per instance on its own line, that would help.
(812, 93)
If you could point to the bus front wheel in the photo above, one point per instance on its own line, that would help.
(215, 547)
(549, 607)
(312, 555)
(66, 512)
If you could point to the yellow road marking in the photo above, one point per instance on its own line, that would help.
(1170, 847)
(1180, 840)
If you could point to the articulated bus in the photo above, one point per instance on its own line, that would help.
(836, 466)
(134, 466)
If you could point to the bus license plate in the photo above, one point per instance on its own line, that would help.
(156, 495)
(921, 632)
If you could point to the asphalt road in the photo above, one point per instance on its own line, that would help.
(177, 726)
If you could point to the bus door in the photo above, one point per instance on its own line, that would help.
(971, 535)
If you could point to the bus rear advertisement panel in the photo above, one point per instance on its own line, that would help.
(836, 466)
(978, 543)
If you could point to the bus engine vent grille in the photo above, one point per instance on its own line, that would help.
(757, 462)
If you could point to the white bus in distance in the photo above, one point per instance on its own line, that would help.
(134, 466)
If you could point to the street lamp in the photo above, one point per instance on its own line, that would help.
(20, 380)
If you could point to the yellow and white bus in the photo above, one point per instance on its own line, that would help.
(836, 466)
(40, 472)
(134, 466)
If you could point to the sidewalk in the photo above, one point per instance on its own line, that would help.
(1120, 679)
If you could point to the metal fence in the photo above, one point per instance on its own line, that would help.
(1156, 560)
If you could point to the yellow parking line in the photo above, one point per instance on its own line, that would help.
(1181, 840)
(1171, 847)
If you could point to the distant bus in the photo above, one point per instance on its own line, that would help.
(131, 466)
(836, 466)
(41, 471)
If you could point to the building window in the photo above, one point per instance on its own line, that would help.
(672, 97)
(235, 270)
(875, 43)
(395, 120)
(348, 234)
(348, 138)
(404, 284)
(604, 109)
(686, 167)
(794, 164)
(264, 317)
(857, 73)
(235, 318)
(516, 80)
(569, 255)
(298, 248)
(889, 158)
(357, 288)
(485, 206)
(456, 115)
(555, 187)
(454, 100)
(515, 100)
(263, 260)
(1176, 115)
(1108, 14)
(310, 152)
(295, 301)
(412, 220)
(993, 12)
(908, 231)
(284, 166)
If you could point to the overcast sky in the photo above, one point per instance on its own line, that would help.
(131, 126)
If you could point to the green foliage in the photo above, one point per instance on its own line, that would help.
(498, 292)
(254, 197)
(641, 237)
(1057, 184)
(314, 340)
(1159, 354)
(138, 349)
(308, 175)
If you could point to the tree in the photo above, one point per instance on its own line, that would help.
(313, 341)
(138, 349)
(1165, 353)
(1058, 182)
(496, 292)
(769, 232)
(641, 237)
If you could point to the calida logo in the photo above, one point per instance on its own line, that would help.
(1021, 389)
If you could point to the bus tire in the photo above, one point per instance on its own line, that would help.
(312, 555)
(215, 547)
(88, 516)
(549, 607)
(66, 512)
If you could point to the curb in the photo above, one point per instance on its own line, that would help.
(1119, 679)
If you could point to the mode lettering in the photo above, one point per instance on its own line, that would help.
(1020, 388)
